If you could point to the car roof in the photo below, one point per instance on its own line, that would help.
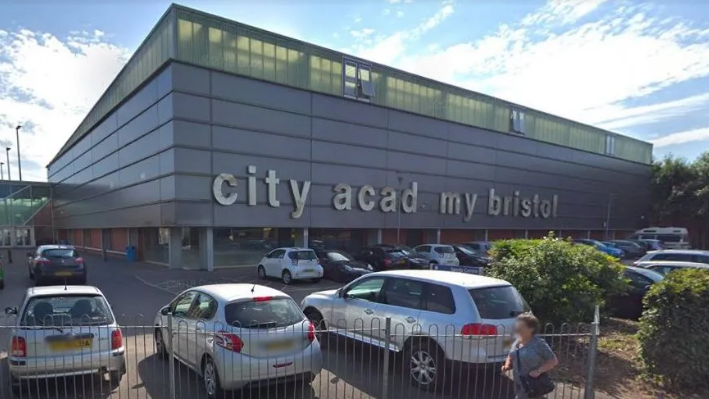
(231, 292)
(673, 263)
(441, 276)
(679, 251)
(63, 290)
(56, 246)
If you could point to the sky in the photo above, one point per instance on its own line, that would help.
(633, 67)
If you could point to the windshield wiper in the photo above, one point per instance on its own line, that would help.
(266, 324)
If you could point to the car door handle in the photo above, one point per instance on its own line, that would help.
(368, 311)
(410, 319)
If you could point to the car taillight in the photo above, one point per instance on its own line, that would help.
(116, 339)
(229, 341)
(262, 298)
(42, 261)
(478, 329)
(19, 347)
(311, 332)
(387, 262)
(80, 260)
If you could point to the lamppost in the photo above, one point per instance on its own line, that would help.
(19, 162)
(2, 170)
(608, 214)
(398, 209)
(7, 153)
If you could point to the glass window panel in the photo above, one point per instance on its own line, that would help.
(281, 65)
(216, 52)
(229, 50)
(243, 55)
(269, 61)
(257, 58)
(293, 70)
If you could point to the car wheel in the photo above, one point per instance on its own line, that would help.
(433, 266)
(316, 318)
(160, 350)
(316, 280)
(286, 277)
(261, 272)
(115, 377)
(425, 364)
(210, 379)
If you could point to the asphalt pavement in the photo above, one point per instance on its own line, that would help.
(136, 291)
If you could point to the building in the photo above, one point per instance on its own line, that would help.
(25, 214)
(218, 141)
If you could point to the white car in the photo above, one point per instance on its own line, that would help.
(437, 318)
(64, 331)
(438, 254)
(290, 264)
(237, 336)
(675, 255)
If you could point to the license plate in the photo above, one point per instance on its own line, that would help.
(307, 270)
(279, 345)
(69, 345)
(62, 274)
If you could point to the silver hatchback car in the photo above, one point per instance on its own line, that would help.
(239, 336)
(65, 331)
(437, 318)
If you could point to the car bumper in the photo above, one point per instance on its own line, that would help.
(239, 371)
(59, 273)
(299, 274)
(479, 351)
(66, 366)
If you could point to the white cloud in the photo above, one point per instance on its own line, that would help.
(49, 84)
(386, 11)
(399, 14)
(570, 59)
(682, 137)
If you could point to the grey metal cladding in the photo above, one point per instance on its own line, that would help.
(218, 123)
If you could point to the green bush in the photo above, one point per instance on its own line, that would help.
(562, 282)
(674, 330)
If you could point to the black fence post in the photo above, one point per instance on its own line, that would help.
(9, 256)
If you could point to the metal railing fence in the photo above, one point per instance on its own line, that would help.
(334, 361)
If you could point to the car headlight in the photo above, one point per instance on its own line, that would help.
(348, 268)
(369, 267)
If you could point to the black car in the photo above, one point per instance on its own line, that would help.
(632, 250)
(341, 267)
(469, 257)
(481, 247)
(60, 263)
(630, 304)
(390, 257)
(650, 245)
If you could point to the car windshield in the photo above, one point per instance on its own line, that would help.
(302, 255)
(263, 313)
(395, 253)
(60, 253)
(66, 310)
(652, 275)
(338, 257)
(467, 250)
(499, 302)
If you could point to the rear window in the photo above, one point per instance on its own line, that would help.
(395, 253)
(444, 250)
(278, 312)
(302, 255)
(60, 253)
(66, 310)
(668, 238)
(499, 302)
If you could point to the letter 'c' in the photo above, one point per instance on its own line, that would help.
(217, 191)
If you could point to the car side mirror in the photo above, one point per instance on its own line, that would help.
(164, 311)
(10, 310)
(341, 293)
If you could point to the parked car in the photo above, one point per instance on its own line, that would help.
(678, 255)
(290, 264)
(341, 267)
(481, 247)
(61, 263)
(462, 318)
(632, 250)
(437, 254)
(664, 267)
(630, 304)
(469, 257)
(384, 257)
(649, 245)
(239, 335)
(670, 237)
(64, 331)
(615, 252)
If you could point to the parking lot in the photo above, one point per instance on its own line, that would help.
(137, 291)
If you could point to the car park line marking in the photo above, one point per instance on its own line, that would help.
(153, 285)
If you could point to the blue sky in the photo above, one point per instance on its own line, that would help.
(637, 68)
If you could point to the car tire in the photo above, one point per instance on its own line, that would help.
(316, 318)
(262, 272)
(160, 350)
(286, 277)
(316, 280)
(212, 386)
(433, 266)
(424, 354)
(115, 377)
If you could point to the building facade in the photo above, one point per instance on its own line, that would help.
(219, 141)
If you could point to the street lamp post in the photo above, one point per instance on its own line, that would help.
(19, 162)
(2, 170)
(608, 215)
(7, 153)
